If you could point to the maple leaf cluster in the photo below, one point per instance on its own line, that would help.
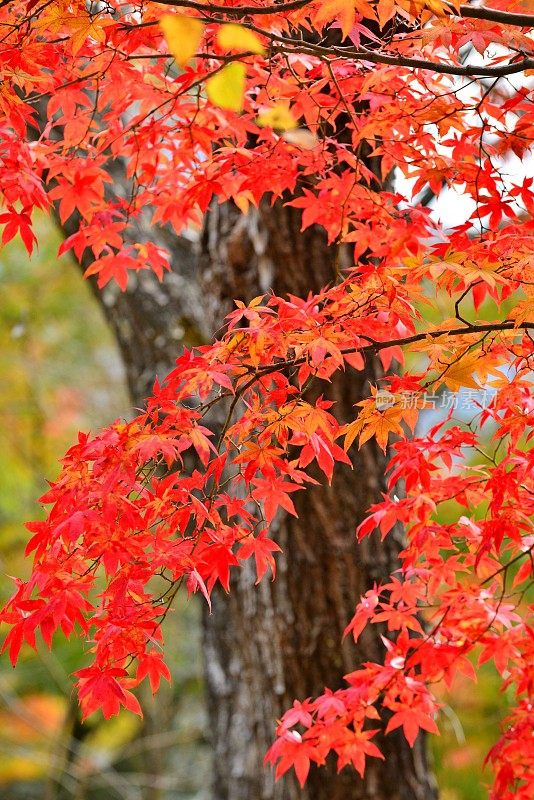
(295, 101)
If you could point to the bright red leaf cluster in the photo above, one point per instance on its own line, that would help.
(294, 100)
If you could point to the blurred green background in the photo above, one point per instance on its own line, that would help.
(59, 373)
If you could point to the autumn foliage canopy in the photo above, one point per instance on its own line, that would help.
(360, 113)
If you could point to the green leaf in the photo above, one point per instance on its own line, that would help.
(236, 37)
(279, 116)
(227, 88)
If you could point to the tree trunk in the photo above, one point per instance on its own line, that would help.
(269, 644)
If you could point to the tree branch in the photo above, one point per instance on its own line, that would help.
(466, 11)
(237, 11)
(376, 57)
(373, 56)
(376, 346)
(492, 15)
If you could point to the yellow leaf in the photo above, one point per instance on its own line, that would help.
(227, 88)
(462, 373)
(471, 366)
(236, 37)
(279, 116)
(182, 34)
(371, 421)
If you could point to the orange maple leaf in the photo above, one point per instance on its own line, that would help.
(372, 421)
(344, 12)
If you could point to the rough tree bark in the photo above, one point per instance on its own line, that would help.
(266, 645)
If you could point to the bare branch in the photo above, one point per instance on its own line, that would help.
(377, 57)
(492, 15)
(237, 11)
(466, 11)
